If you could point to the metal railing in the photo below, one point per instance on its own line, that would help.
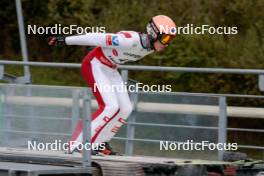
(146, 68)
(21, 114)
(26, 79)
(222, 127)
(222, 123)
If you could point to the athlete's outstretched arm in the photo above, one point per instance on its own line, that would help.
(96, 39)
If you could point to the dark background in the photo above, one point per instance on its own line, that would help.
(244, 50)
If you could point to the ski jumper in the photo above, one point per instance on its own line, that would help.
(99, 68)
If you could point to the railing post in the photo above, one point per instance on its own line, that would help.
(1, 117)
(2, 70)
(130, 133)
(124, 74)
(9, 91)
(75, 108)
(32, 121)
(261, 82)
(222, 125)
(23, 41)
(86, 126)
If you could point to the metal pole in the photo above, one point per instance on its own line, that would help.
(86, 127)
(261, 82)
(124, 74)
(2, 70)
(1, 117)
(23, 41)
(222, 124)
(130, 134)
(75, 108)
(145, 68)
(7, 109)
(129, 145)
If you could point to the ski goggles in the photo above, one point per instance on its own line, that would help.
(165, 39)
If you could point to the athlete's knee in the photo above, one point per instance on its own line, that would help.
(126, 110)
(112, 109)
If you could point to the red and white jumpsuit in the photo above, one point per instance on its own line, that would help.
(100, 67)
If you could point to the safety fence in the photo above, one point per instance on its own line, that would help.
(33, 117)
(201, 107)
(197, 117)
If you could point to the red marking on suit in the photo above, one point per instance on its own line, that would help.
(106, 119)
(126, 34)
(108, 40)
(98, 129)
(115, 129)
(121, 120)
(115, 53)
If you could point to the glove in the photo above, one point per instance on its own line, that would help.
(57, 41)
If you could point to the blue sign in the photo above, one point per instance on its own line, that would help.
(115, 41)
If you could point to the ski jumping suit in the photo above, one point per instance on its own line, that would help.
(99, 68)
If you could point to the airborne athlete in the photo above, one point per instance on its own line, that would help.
(99, 67)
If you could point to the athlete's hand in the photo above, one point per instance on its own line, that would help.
(58, 41)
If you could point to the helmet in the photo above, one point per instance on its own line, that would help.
(161, 28)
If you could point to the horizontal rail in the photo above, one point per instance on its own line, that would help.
(209, 110)
(193, 69)
(251, 147)
(211, 95)
(35, 117)
(30, 86)
(246, 130)
(158, 141)
(194, 127)
(41, 64)
(35, 132)
(143, 68)
(174, 126)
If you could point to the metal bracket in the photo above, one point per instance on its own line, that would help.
(16, 80)
(23, 80)
(12, 78)
(1, 71)
(8, 78)
(261, 82)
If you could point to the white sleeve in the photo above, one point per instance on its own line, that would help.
(101, 39)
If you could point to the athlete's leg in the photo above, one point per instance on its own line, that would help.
(93, 71)
(125, 108)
